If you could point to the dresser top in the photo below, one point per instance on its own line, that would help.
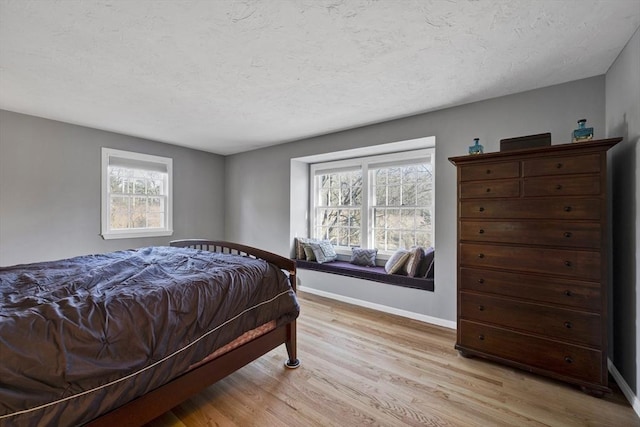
(586, 146)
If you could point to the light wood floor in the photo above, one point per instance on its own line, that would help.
(362, 367)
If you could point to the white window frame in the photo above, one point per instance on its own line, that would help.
(164, 163)
(366, 163)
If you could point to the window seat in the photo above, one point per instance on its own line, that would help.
(376, 274)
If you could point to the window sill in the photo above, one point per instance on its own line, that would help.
(137, 234)
(376, 274)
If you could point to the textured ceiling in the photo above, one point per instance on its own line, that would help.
(230, 76)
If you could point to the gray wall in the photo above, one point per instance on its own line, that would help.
(258, 210)
(50, 190)
(623, 119)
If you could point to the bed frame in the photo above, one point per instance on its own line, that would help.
(153, 404)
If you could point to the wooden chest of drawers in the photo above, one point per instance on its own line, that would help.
(532, 260)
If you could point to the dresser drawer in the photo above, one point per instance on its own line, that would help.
(490, 171)
(483, 189)
(561, 185)
(549, 233)
(586, 163)
(579, 264)
(544, 354)
(554, 322)
(571, 293)
(551, 208)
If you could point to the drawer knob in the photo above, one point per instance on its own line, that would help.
(488, 190)
(567, 325)
(481, 209)
(481, 307)
(567, 234)
(481, 231)
(558, 187)
(481, 337)
(567, 208)
(481, 281)
(568, 359)
(480, 255)
(559, 165)
(488, 171)
(568, 293)
(567, 263)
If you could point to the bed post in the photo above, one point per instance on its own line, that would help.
(293, 362)
(292, 345)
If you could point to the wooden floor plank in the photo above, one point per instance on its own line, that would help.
(362, 367)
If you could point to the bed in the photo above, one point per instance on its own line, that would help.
(120, 338)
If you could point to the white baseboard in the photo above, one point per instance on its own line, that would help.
(386, 309)
(624, 387)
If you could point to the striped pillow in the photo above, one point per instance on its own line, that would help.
(397, 260)
(410, 267)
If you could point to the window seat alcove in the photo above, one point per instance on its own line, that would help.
(376, 274)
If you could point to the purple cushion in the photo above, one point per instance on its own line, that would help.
(376, 274)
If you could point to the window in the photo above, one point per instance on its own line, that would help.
(384, 202)
(136, 195)
(338, 210)
(401, 206)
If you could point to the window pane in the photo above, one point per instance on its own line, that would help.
(410, 174)
(332, 235)
(343, 237)
(379, 237)
(322, 233)
(423, 218)
(393, 219)
(119, 212)
(424, 194)
(323, 199)
(115, 183)
(407, 239)
(334, 196)
(356, 194)
(343, 218)
(381, 196)
(328, 217)
(355, 219)
(393, 241)
(423, 239)
(354, 237)
(409, 195)
(139, 186)
(380, 178)
(394, 176)
(156, 204)
(379, 217)
(155, 187)
(155, 220)
(139, 212)
(394, 196)
(407, 219)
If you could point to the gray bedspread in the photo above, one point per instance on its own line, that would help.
(81, 336)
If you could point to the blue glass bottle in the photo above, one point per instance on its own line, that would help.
(582, 133)
(476, 148)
